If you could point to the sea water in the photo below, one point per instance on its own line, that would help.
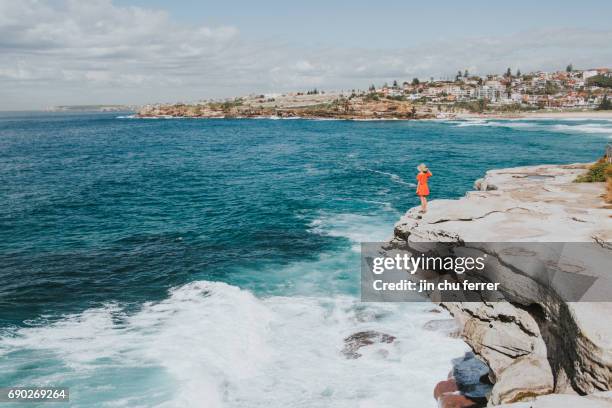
(215, 263)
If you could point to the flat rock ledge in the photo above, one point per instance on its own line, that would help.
(538, 348)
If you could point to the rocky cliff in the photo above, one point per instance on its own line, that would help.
(302, 106)
(535, 343)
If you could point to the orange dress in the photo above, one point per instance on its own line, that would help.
(422, 187)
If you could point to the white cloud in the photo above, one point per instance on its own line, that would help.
(96, 52)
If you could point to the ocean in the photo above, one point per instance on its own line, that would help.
(215, 263)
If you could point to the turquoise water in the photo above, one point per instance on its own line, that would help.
(213, 262)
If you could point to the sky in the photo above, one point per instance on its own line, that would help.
(70, 52)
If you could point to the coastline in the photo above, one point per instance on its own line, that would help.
(568, 115)
(538, 348)
(535, 115)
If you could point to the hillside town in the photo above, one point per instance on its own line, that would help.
(508, 93)
(568, 89)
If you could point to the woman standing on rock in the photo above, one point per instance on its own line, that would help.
(422, 187)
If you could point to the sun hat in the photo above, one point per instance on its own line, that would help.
(422, 167)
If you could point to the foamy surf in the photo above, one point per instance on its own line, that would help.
(215, 345)
(586, 128)
(542, 125)
(355, 227)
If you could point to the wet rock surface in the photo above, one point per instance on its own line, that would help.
(456, 401)
(449, 327)
(354, 342)
(445, 387)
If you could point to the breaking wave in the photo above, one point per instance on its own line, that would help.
(215, 345)
(542, 125)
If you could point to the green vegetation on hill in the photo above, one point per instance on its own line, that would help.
(515, 107)
(371, 97)
(600, 80)
(605, 104)
(609, 185)
(596, 173)
(226, 106)
(478, 106)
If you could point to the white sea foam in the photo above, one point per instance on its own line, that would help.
(386, 205)
(211, 344)
(505, 123)
(586, 128)
(537, 125)
(516, 125)
(468, 123)
(394, 177)
(355, 227)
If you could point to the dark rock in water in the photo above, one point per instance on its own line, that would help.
(456, 401)
(469, 372)
(444, 387)
(468, 369)
(434, 311)
(446, 326)
(365, 338)
(464, 387)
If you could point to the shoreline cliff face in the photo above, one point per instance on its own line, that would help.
(330, 107)
(535, 343)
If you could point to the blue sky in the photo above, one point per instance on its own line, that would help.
(57, 52)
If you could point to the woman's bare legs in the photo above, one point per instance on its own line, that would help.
(423, 204)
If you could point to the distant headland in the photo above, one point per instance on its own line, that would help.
(539, 94)
(92, 108)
